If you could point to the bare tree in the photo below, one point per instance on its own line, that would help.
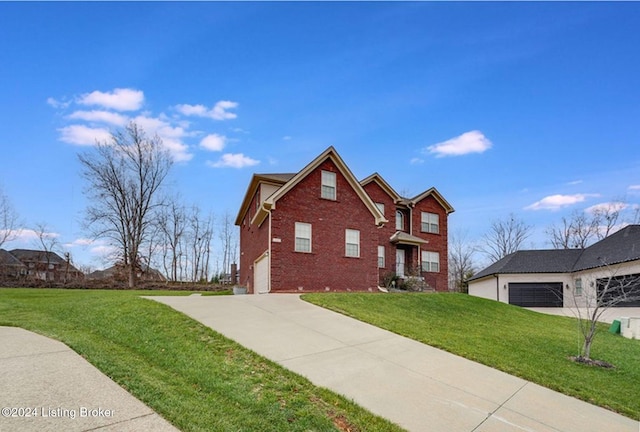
(505, 237)
(172, 223)
(124, 177)
(9, 220)
(229, 242)
(461, 262)
(597, 295)
(577, 231)
(46, 242)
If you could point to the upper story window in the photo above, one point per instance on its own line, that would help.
(399, 220)
(303, 237)
(352, 243)
(328, 185)
(380, 207)
(430, 223)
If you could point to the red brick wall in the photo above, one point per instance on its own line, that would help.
(326, 267)
(378, 195)
(254, 241)
(437, 242)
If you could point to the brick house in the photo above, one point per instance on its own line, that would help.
(46, 266)
(320, 229)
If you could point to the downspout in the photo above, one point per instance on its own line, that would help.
(497, 276)
(269, 254)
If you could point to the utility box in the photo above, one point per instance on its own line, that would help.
(630, 327)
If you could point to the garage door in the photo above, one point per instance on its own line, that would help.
(536, 294)
(261, 275)
(619, 287)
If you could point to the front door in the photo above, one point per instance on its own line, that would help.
(400, 262)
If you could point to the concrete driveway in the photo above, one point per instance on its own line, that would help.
(414, 385)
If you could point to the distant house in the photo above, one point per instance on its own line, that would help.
(321, 229)
(554, 278)
(46, 266)
(11, 267)
(117, 272)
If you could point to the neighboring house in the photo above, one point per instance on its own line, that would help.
(322, 230)
(46, 266)
(562, 277)
(11, 267)
(117, 272)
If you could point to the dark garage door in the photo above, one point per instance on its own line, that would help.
(536, 294)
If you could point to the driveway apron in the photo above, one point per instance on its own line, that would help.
(416, 386)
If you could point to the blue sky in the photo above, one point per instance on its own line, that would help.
(525, 108)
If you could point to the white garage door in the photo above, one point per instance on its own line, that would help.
(261, 275)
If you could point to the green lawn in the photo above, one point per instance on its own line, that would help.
(191, 375)
(527, 344)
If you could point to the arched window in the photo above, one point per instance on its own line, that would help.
(399, 220)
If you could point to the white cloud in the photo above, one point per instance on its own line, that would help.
(468, 142)
(220, 110)
(233, 160)
(575, 182)
(286, 138)
(80, 242)
(83, 135)
(558, 201)
(120, 99)
(634, 188)
(100, 116)
(416, 161)
(57, 104)
(171, 136)
(213, 142)
(613, 206)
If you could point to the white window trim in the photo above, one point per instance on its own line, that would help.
(299, 235)
(399, 220)
(380, 207)
(329, 183)
(432, 258)
(351, 236)
(579, 288)
(381, 256)
(430, 223)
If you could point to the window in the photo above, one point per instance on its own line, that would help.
(303, 237)
(380, 207)
(430, 261)
(430, 223)
(380, 256)
(352, 243)
(578, 287)
(328, 185)
(399, 221)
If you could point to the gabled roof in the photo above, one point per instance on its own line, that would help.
(621, 246)
(401, 237)
(430, 192)
(276, 179)
(330, 153)
(377, 178)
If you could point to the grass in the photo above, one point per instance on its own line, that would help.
(527, 344)
(194, 377)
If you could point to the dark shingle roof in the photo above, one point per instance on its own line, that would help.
(619, 247)
(622, 246)
(6, 259)
(28, 255)
(534, 261)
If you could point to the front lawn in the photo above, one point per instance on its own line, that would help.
(527, 344)
(192, 376)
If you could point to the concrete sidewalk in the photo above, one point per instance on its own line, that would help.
(414, 385)
(46, 386)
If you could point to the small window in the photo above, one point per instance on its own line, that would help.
(380, 256)
(430, 261)
(352, 243)
(303, 237)
(430, 223)
(328, 185)
(380, 207)
(399, 221)
(578, 287)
